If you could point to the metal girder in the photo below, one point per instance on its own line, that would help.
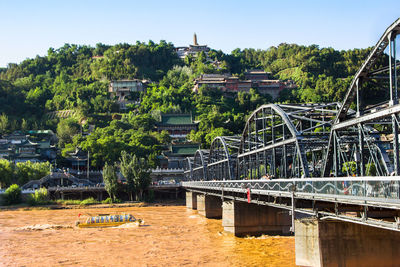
(366, 66)
(199, 167)
(275, 145)
(222, 158)
(372, 122)
(188, 168)
(368, 117)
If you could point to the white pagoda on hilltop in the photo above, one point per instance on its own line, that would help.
(192, 49)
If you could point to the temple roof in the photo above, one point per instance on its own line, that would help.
(176, 119)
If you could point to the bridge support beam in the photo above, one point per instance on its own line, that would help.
(191, 200)
(242, 219)
(209, 206)
(335, 243)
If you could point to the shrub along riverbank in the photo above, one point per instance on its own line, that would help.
(13, 196)
(14, 199)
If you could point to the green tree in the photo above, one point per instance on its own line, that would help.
(350, 167)
(110, 180)
(13, 195)
(127, 170)
(370, 169)
(26, 171)
(141, 172)
(3, 123)
(6, 173)
(24, 125)
(216, 132)
(41, 196)
(66, 130)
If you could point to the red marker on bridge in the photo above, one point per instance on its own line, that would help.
(248, 195)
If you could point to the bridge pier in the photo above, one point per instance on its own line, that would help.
(191, 200)
(209, 206)
(336, 243)
(242, 219)
(100, 196)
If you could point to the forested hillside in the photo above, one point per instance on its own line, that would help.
(76, 78)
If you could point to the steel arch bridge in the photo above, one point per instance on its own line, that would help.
(332, 142)
(222, 158)
(314, 140)
(284, 140)
(199, 166)
(366, 142)
(187, 167)
(278, 140)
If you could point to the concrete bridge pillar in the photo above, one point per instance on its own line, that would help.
(336, 243)
(191, 200)
(209, 206)
(100, 196)
(242, 219)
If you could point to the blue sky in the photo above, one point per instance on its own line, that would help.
(29, 28)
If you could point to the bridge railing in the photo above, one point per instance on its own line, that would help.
(77, 188)
(382, 189)
(162, 171)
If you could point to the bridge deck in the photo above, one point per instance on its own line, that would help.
(372, 201)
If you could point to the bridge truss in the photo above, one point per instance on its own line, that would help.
(366, 142)
(283, 140)
(187, 167)
(199, 167)
(222, 158)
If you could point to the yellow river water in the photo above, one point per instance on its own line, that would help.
(171, 236)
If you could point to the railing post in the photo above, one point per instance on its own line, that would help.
(293, 207)
(365, 188)
(398, 189)
(313, 187)
(336, 189)
(222, 190)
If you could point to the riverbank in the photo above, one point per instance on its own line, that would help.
(160, 203)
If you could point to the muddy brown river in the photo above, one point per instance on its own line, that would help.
(171, 236)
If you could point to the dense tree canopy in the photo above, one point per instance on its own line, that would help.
(21, 172)
(76, 78)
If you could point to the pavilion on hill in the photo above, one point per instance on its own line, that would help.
(177, 125)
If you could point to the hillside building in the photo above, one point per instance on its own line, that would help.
(38, 146)
(177, 125)
(257, 79)
(123, 91)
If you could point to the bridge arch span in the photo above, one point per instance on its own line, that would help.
(285, 140)
(199, 167)
(188, 168)
(222, 158)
